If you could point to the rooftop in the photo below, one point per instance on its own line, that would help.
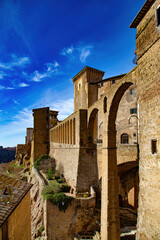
(86, 69)
(18, 189)
(141, 13)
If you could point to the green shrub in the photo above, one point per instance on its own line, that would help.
(49, 174)
(52, 188)
(60, 200)
(61, 180)
(21, 165)
(39, 160)
(41, 229)
(65, 187)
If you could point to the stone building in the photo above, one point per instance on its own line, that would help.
(15, 209)
(113, 134)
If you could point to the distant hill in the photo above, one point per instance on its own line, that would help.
(7, 154)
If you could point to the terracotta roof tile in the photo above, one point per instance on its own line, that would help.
(18, 188)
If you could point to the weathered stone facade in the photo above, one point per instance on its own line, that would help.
(113, 132)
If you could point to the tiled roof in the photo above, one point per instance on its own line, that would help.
(18, 188)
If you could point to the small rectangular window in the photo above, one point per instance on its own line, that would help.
(154, 146)
(132, 91)
(133, 110)
(113, 81)
(158, 16)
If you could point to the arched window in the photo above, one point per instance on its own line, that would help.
(124, 138)
(105, 105)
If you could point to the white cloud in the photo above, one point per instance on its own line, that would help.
(84, 54)
(10, 88)
(37, 77)
(51, 68)
(15, 62)
(67, 51)
(15, 101)
(23, 85)
(14, 132)
(17, 127)
(79, 52)
(65, 108)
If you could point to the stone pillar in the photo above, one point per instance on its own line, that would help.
(110, 220)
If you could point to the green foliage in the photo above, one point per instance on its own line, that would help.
(13, 165)
(39, 160)
(65, 187)
(52, 188)
(50, 174)
(41, 229)
(53, 192)
(21, 165)
(60, 200)
(61, 180)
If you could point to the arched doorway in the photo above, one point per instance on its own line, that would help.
(110, 221)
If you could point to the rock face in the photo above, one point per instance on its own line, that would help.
(7, 154)
(37, 205)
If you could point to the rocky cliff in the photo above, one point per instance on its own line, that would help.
(7, 154)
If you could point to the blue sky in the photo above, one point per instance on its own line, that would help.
(44, 43)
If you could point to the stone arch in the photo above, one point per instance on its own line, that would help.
(113, 111)
(110, 227)
(91, 125)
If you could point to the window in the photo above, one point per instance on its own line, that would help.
(158, 16)
(132, 91)
(113, 81)
(133, 110)
(134, 134)
(105, 105)
(124, 138)
(154, 146)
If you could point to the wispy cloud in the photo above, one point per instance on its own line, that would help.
(10, 88)
(17, 126)
(85, 52)
(67, 51)
(13, 21)
(23, 85)
(15, 62)
(16, 129)
(37, 77)
(79, 52)
(50, 69)
(64, 111)
(15, 101)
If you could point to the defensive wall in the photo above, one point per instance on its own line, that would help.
(86, 144)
